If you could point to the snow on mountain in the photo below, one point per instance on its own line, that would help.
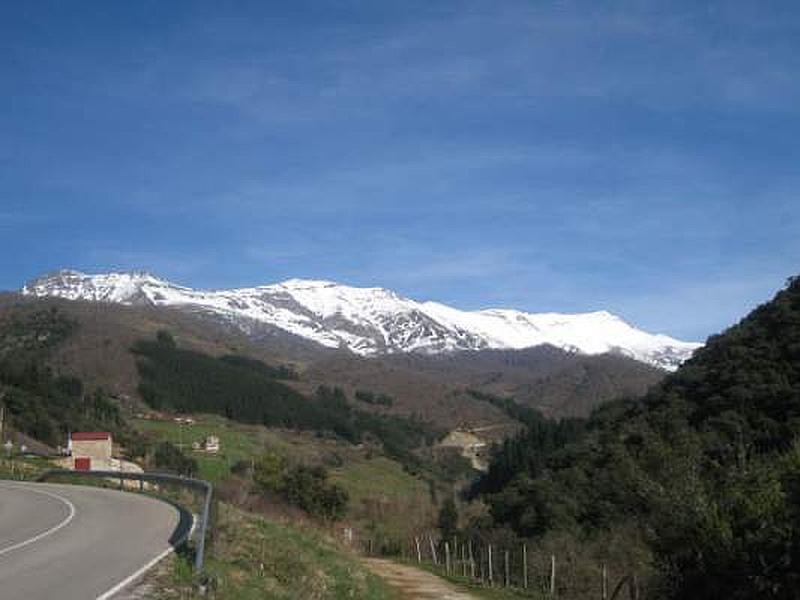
(370, 321)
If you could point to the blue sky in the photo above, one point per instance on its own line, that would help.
(638, 157)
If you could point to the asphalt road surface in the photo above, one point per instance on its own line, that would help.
(77, 543)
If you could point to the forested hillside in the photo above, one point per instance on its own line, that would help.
(249, 391)
(40, 403)
(46, 403)
(98, 351)
(555, 382)
(705, 469)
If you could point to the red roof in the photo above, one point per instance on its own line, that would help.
(86, 436)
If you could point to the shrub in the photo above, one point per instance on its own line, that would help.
(169, 457)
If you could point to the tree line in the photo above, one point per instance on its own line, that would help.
(248, 391)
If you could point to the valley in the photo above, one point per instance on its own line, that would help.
(346, 456)
(352, 300)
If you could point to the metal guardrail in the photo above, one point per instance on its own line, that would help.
(188, 482)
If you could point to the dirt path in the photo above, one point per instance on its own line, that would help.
(415, 584)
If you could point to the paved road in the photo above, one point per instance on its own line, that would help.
(77, 543)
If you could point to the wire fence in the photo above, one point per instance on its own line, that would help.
(526, 569)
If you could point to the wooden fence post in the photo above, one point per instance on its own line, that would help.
(525, 566)
(447, 558)
(491, 578)
(471, 560)
(605, 583)
(625, 581)
(552, 574)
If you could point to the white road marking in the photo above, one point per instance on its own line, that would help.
(50, 531)
(136, 575)
(72, 511)
(131, 578)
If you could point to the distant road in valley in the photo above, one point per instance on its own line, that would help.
(77, 543)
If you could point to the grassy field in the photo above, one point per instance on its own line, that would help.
(385, 500)
(237, 442)
(243, 442)
(386, 503)
(377, 477)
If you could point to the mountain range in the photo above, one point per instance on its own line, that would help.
(371, 321)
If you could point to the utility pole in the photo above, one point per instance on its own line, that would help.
(2, 416)
(9, 448)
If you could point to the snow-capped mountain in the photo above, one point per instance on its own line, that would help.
(371, 321)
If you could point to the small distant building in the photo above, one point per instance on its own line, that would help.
(470, 446)
(90, 450)
(211, 444)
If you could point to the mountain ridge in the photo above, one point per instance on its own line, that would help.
(371, 321)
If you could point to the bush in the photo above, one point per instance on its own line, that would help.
(169, 457)
(308, 488)
(269, 471)
(448, 519)
(373, 398)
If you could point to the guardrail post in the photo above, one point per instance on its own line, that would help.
(201, 531)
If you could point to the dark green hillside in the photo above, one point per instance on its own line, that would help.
(240, 389)
(705, 467)
(249, 391)
(39, 402)
(745, 383)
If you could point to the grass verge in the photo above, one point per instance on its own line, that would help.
(23, 468)
(253, 557)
